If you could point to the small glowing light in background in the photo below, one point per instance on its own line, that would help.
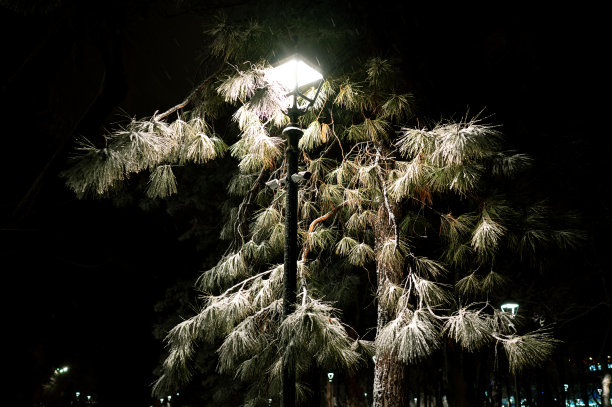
(61, 370)
(510, 307)
(330, 376)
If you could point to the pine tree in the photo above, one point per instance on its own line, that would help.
(427, 217)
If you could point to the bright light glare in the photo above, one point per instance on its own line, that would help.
(295, 72)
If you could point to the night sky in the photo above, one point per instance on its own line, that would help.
(81, 278)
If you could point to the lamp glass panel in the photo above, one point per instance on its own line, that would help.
(294, 72)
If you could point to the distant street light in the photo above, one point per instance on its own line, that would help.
(511, 306)
(303, 82)
(330, 389)
(61, 370)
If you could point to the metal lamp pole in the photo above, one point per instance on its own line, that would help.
(293, 133)
(512, 307)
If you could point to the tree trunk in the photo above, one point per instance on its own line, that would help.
(457, 386)
(390, 384)
(390, 375)
(355, 393)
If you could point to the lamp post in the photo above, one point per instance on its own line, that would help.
(330, 387)
(511, 306)
(297, 76)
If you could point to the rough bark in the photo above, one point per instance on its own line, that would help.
(390, 375)
(390, 382)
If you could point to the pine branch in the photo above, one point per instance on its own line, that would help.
(243, 209)
(469, 285)
(313, 224)
(469, 329)
(313, 328)
(162, 182)
(241, 284)
(528, 350)
(412, 336)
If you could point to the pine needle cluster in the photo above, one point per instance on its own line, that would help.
(143, 145)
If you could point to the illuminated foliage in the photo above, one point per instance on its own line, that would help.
(415, 212)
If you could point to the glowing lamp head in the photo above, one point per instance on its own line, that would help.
(330, 376)
(301, 80)
(295, 73)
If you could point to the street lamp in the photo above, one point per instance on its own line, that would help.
(302, 80)
(511, 307)
(303, 83)
(330, 387)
